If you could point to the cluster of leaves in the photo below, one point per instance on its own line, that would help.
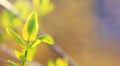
(30, 31)
(42, 7)
(58, 62)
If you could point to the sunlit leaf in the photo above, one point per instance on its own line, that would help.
(11, 63)
(31, 53)
(61, 62)
(47, 39)
(30, 29)
(51, 63)
(15, 36)
(22, 57)
(17, 53)
(35, 43)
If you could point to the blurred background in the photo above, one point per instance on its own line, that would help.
(87, 30)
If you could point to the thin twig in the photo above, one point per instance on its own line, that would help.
(55, 47)
(9, 7)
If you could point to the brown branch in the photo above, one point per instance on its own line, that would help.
(7, 5)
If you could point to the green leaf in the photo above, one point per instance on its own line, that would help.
(20, 55)
(15, 36)
(30, 29)
(51, 63)
(17, 53)
(47, 39)
(31, 53)
(11, 63)
(35, 43)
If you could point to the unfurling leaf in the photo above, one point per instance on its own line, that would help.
(47, 39)
(11, 63)
(30, 29)
(15, 36)
(31, 53)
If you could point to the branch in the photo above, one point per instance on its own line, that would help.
(7, 5)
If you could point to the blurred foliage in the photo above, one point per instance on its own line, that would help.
(1, 37)
(24, 7)
(9, 20)
(30, 31)
(43, 7)
(58, 62)
(12, 63)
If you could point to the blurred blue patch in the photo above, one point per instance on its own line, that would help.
(109, 22)
(109, 15)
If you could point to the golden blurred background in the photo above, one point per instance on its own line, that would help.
(73, 25)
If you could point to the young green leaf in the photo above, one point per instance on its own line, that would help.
(11, 63)
(47, 39)
(20, 55)
(15, 36)
(17, 53)
(31, 53)
(30, 29)
(35, 43)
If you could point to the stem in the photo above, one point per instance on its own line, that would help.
(23, 63)
(26, 52)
